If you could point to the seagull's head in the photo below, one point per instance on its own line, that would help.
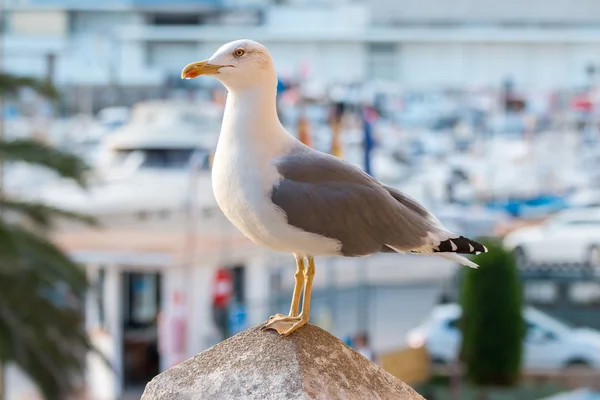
(237, 65)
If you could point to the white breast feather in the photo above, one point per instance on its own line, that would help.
(242, 177)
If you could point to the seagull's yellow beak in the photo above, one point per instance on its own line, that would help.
(199, 68)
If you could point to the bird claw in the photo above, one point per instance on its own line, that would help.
(275, 316)
(283, 324)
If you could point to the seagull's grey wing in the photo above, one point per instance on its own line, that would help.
(326, 196)
(409, 203)
(449, 242)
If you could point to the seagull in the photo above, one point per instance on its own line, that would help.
(291, 198)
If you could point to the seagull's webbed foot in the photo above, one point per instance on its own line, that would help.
(284, 325)
(272, 317)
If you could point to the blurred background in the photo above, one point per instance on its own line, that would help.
(487, 112)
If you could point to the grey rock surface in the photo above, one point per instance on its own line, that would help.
(255, 364)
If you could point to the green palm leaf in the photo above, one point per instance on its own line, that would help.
(39, 332)
(45, 339)
(21, 249)
(34, 152)
(41, 215)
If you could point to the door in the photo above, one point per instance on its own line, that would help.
(140, 327)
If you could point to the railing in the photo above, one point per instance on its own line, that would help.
(571, 378)
(561, 271)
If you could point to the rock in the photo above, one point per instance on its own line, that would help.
(255, 364)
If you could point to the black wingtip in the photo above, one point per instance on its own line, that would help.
(461, 245)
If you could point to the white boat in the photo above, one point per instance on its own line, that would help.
(145, 164)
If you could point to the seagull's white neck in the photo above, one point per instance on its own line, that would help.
(251, 137)
(251, 116)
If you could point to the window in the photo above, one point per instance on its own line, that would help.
(161, 158)
(591, 218)
(143, 298)
(541, 292)
(534, 333)
(453, 324)
(47, 23)
(175, 19)
(548, 322)
(585, 293)
(538, 334)
(381, 61)
(169, 56)
(167, 158)
(588, 222)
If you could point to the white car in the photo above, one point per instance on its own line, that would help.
(570, 236)
(549, 344)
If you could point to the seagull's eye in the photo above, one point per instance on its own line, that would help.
(239, 52)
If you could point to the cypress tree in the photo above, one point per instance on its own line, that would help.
(492, 324)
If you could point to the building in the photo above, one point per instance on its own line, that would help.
(429, 45)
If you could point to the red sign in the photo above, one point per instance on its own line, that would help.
(582, 103)
(222, 288)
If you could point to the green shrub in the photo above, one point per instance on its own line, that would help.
(492, 324)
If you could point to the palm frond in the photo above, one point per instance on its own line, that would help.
(30, 151)
(43, 336)
(42, 215)
(21, 249)
(47, 340)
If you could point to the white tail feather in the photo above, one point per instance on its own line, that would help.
(451, 256)
(458, 258)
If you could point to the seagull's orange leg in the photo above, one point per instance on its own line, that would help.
(299, 284)
(286, 325)
(309, 275)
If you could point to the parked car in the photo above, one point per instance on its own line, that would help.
(589, 197)
(549, 343)
(577, 394)
(570, 236)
